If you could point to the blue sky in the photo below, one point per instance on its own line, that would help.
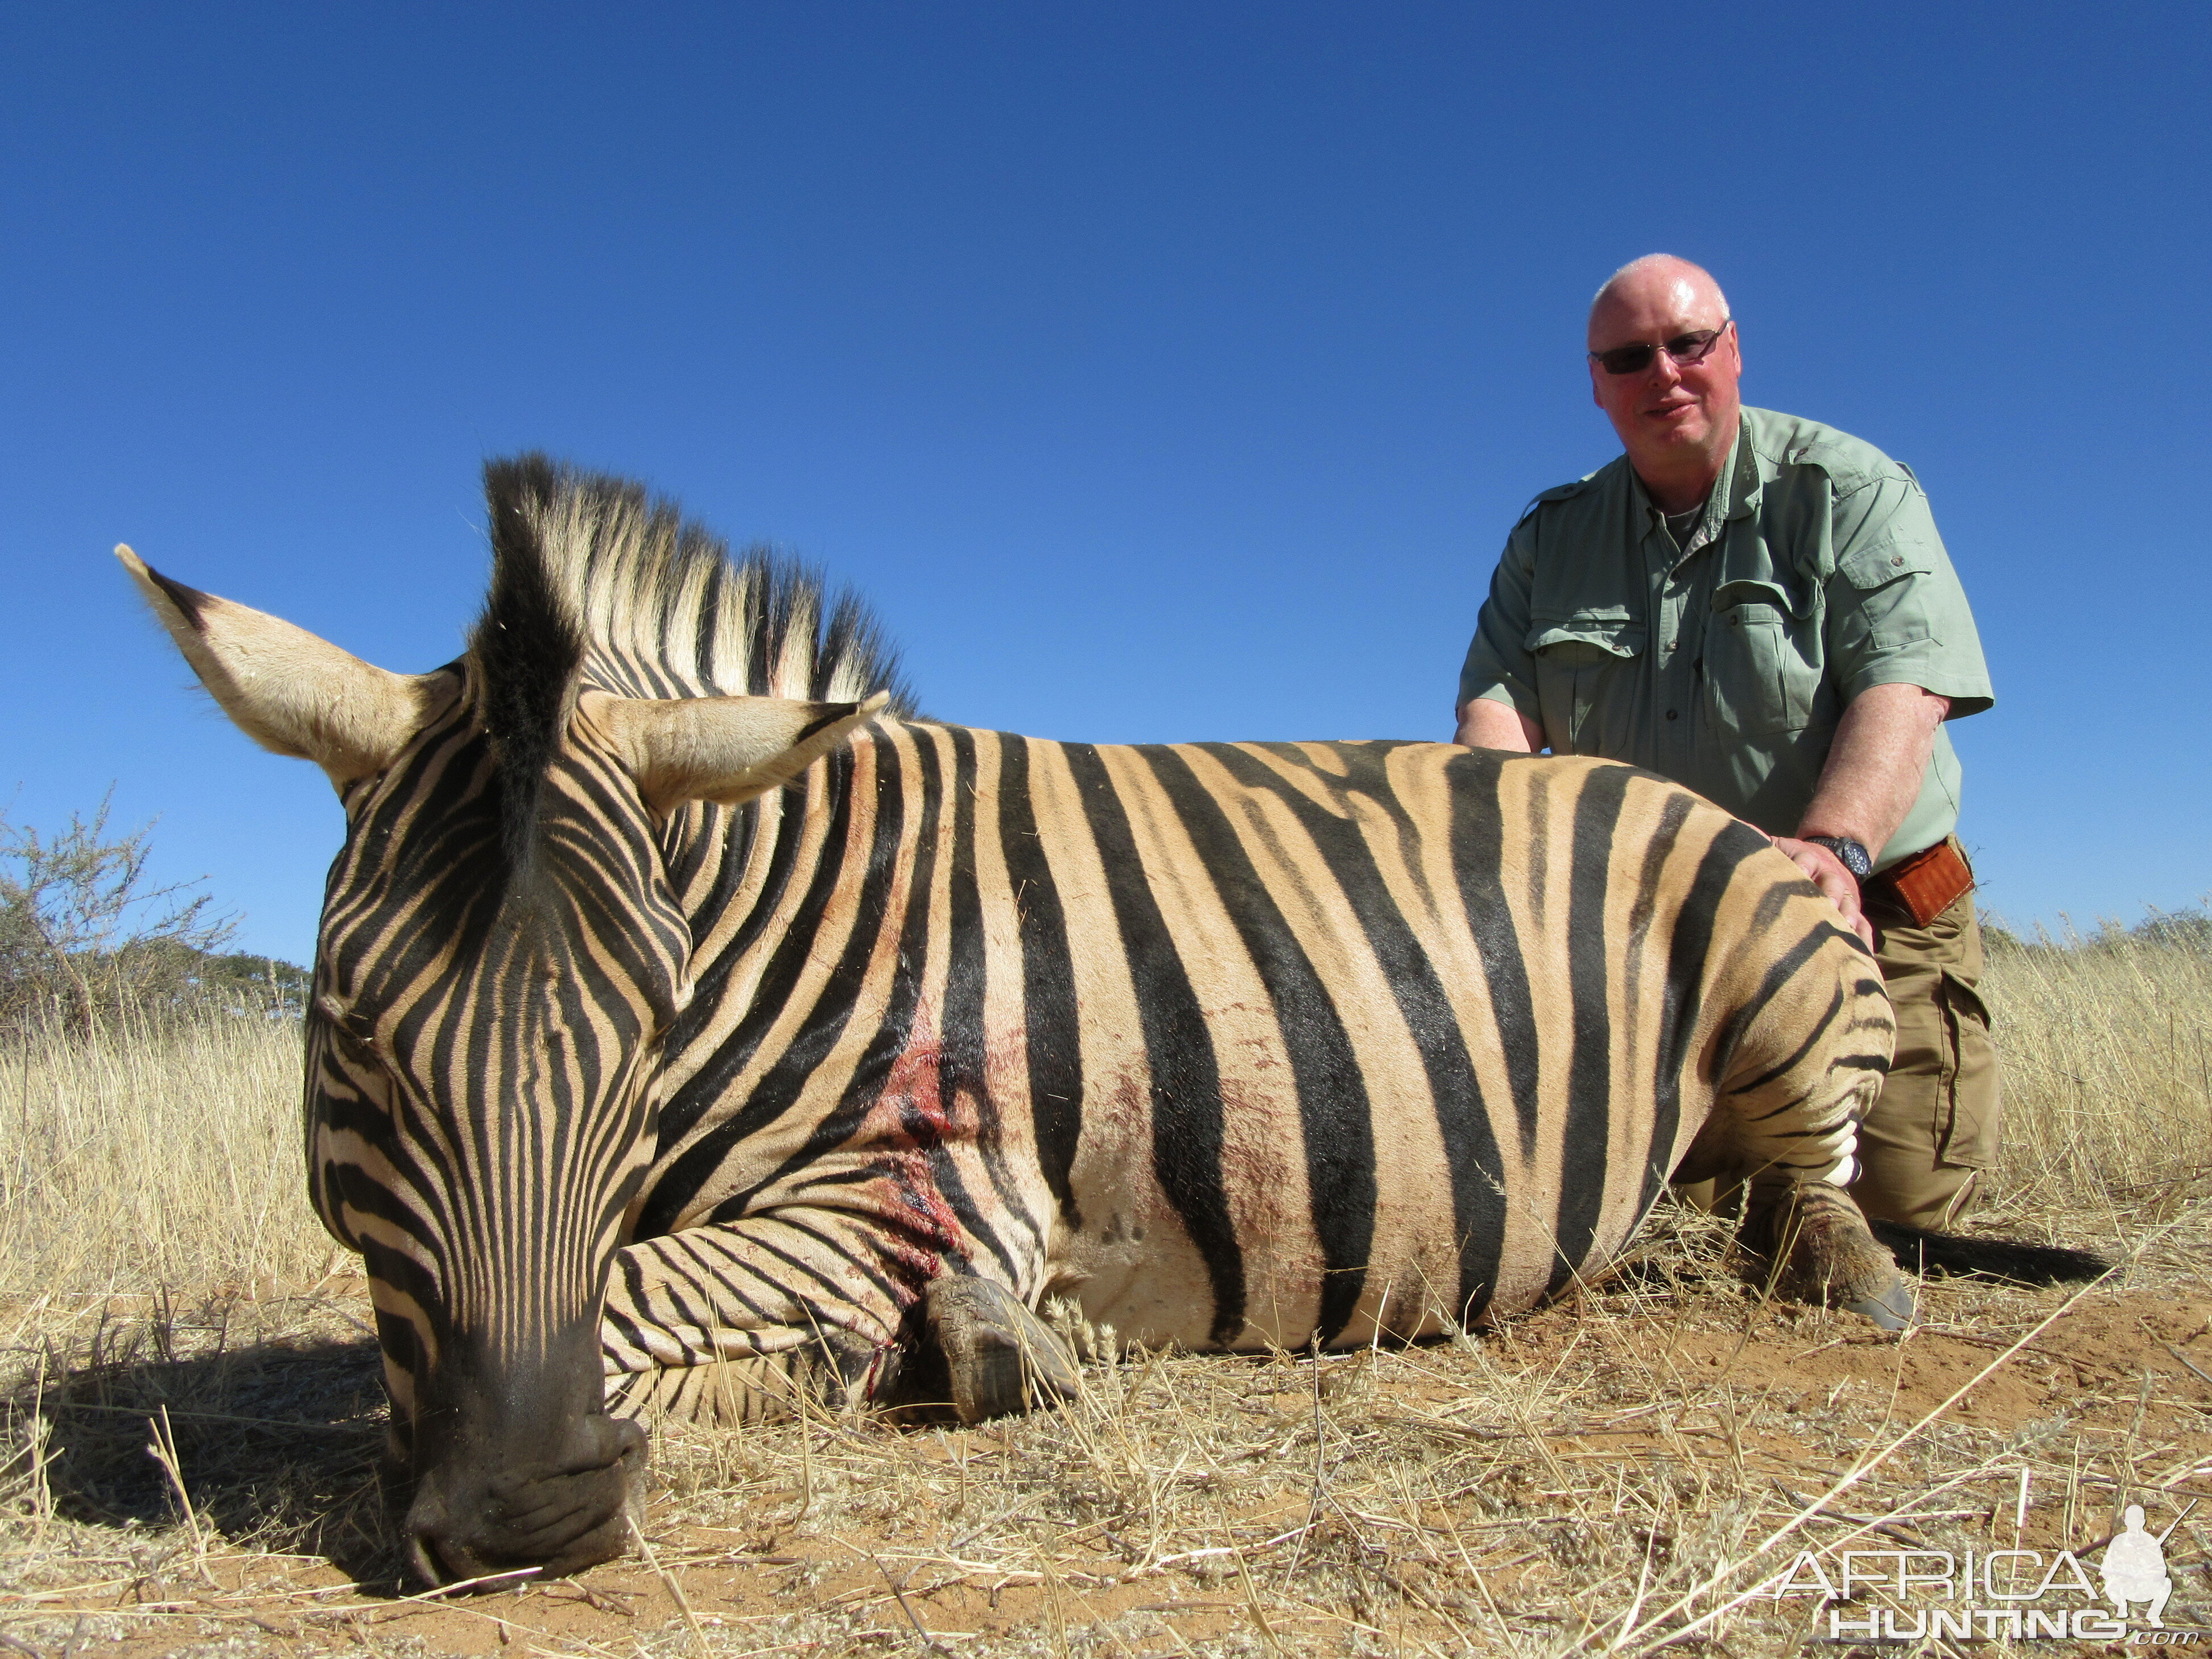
(1158, 372)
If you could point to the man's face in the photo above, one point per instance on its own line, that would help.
(1669, 412)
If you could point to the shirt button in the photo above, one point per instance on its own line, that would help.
(1670, 714)
(1898, 559)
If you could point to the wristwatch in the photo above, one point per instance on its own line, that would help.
(1848, 853)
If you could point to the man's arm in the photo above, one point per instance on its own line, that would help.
(1498, 659)
(1871, 779)
(1485, 723)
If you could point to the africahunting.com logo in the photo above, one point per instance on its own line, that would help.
(2015, 1595)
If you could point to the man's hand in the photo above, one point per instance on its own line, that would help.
(1837, 885)
(1868, 784)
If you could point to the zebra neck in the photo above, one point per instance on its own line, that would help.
(787, 898)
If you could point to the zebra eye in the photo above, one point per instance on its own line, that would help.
(348, 1022)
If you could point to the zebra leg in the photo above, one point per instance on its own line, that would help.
(1000, 1358)
(1787, 1118)
(830, 1375)
(738, 1321)
(1816, 1243)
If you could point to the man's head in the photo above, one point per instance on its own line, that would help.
(1675, 419)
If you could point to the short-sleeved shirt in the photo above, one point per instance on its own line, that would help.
(1724, 661)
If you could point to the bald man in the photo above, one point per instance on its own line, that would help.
(1758, 607)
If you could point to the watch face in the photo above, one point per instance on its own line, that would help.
(1848, 853)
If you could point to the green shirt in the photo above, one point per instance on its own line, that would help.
(1725, 662)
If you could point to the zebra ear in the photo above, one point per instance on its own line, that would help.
(285, 688)
(726, 750)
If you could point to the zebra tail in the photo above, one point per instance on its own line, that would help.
(1926, 1252)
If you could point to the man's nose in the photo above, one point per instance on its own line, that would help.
(1665, 371)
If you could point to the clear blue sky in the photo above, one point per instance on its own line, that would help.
(1158, 371)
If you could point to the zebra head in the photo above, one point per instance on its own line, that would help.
(501, 948)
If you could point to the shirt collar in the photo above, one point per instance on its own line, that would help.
(1734, 495)
(1741, 473)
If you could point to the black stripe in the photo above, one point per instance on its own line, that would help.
(1333, 1105)
(683, 854)
(1186, 1084)
(762, 628)
(686, 1311)
(1583, 1149)
(1667, 1092)
(434, 840)
(964, 1056)
(633, 1278)
(722, 1271)
(824, 1270)
(1875, 1063)
(1471, 1152)
(1477, 819)
(1050, 1018)
(189, 600)
(897, 1292)
(1683, 1004)
(709, 629)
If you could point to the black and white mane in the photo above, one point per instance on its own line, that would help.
(596, 582)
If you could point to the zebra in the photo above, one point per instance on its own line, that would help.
(696, 1027)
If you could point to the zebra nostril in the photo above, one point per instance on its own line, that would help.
(423, 1560)
(430, 1557)
(629, 1442)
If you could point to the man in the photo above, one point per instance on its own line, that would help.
(1759, 607)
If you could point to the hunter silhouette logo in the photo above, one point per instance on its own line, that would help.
(2133, 1568)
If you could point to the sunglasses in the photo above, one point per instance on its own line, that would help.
(1684, 348)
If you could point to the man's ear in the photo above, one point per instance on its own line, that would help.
(285, 688)
(726, 750)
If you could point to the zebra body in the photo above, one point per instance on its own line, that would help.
(1239, 1045)
(691, 1027)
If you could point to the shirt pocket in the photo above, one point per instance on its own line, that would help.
(1758, 682)
(1890, 598)
(1582, 658)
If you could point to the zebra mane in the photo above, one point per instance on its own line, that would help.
(591, 577)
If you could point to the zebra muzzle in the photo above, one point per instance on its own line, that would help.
(485, 1517)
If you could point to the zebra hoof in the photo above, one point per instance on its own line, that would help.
(1000, 1357)
(1892, 1311)
(1813, 1245)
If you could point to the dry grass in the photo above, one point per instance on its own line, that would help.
(1610, 1474)
(167, 1159)
(2107, 1054)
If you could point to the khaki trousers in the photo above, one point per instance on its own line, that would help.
(1935, 1126)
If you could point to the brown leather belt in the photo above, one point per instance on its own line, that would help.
(1926, 885)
